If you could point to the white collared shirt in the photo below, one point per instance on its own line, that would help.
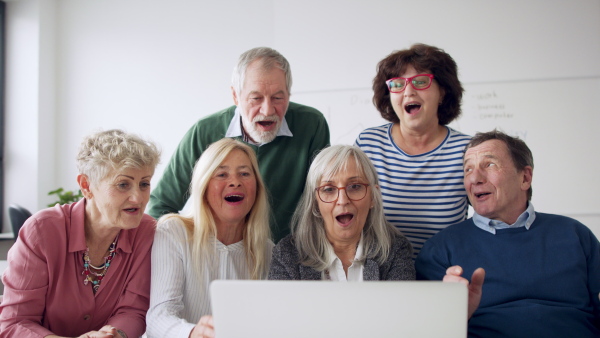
(335, 271)
(235, 127)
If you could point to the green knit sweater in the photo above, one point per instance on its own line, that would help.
(283, 163)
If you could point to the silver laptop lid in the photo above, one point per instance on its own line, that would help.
(338, 309)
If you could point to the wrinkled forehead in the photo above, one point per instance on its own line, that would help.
(490, 148)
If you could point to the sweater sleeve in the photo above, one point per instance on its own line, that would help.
(171, 192)
(321, 137)
(432, 261)
(592, 251)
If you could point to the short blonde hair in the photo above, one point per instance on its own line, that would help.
(104, 151)
(200, 222)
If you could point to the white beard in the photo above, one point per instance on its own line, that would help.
(258, 135)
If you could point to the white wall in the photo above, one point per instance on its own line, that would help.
(154, 67)
(30, 103)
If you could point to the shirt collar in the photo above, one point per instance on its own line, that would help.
(235, 127)
(358, 256)
(77, 236)
(490, 225)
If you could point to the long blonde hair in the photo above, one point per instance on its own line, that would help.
(200, 222)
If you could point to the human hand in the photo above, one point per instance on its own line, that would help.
(107, 331)
(454, 275)
(204, 328)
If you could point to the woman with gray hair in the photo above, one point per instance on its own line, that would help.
(339, 231)
(83, 269)
(225, 235)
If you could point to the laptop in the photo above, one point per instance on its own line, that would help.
(243, 308)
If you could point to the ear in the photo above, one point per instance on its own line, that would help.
(235, 97)
(376, 186)
(442, 93)
(527, 173)
(84, 185)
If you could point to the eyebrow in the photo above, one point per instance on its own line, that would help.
(349, 179)
(131, 177)
(486, 156)
(239, 167)
(254, 92)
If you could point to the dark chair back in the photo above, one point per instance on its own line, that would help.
(17, 215)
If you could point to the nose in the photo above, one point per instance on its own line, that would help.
(267, 108)
(409, 90)
(342, 197)
(235, 181)
(475, 177)
(136, 196)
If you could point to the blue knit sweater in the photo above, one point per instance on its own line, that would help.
(541, 282)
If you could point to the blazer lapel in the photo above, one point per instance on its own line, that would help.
(308, 273)
(371, 270)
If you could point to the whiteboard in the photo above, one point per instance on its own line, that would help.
(558, 119)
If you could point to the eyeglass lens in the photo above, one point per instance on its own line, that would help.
(355, 192)
(418, 82)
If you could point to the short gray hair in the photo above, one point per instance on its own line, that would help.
(270, 58)
(308, 227)
(101, 152)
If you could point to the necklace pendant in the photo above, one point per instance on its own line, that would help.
(89, 274)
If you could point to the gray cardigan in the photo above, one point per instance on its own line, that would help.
(399, 265)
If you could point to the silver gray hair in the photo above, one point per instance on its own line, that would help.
(308, 227)
(104, 151)
(269, 57)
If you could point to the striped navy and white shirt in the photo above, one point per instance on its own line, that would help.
(422, 194)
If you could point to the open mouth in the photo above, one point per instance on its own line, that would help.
(344, 218)
(234, 198)
(479, 195)
(131, 210)
(266, 123)
(412, 108)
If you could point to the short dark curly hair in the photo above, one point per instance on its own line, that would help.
(423, 58)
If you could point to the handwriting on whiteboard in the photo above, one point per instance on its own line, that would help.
(486, 108)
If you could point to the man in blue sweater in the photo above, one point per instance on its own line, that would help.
(541, 271)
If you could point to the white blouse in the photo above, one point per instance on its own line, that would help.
(178, 295)
(335, 271)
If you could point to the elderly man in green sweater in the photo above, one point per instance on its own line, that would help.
(284, 135)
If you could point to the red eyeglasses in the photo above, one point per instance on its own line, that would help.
(418, 82)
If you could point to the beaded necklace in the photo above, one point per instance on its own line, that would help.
(96, 277)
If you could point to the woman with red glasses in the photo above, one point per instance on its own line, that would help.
(417, 156)
(339, 232)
